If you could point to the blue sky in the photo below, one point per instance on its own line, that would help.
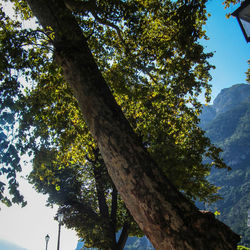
(231, 49)
(28, 226)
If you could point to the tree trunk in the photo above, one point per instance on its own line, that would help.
(168, 219)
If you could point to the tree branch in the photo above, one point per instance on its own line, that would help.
(106, 22)
(114, 206)
(83, 208)
(100, 192)
(123, 237)
(80, 6)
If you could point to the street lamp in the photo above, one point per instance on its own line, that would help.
(60, 219)
(243, 16)
(47, 241)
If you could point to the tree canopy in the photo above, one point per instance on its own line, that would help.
(154, 96)
(149, 55)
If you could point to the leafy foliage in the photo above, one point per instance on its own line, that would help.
(227, 3)
(87, 198)
(242, 248)
(148, 53)
(10, 56)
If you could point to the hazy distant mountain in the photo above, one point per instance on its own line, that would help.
(5, 245)
(227, 99)
(133, 243)
(227, 124)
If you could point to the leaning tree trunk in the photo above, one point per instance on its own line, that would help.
(168, 219)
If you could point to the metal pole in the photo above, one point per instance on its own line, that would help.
(59, 232)
(47, 241)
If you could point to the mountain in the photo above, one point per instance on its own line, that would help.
(133, 243)
(226, 100)
(5, 245)
(227, 124)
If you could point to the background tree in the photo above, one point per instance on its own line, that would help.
(87, 198)
(148, 67)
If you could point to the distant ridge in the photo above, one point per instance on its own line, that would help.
(226, 100)
(5, 245)
(227, 124)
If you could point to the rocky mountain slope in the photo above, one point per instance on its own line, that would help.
(227, 124)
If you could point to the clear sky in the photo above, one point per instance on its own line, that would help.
(231, 49)
(27, 227)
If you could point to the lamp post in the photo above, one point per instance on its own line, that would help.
(60, 219)
(243, 17)
(47, 241)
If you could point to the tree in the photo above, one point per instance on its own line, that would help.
(67, 134)
(58, 118)
(93, 208)
(152, 200)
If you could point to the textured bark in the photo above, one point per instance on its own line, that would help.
(104, 210)
(168, 219)
(113, 213)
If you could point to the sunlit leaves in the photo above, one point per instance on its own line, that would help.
(248, 73)
(156, 75)
(227, 3)
(216, 213)
(149, 55)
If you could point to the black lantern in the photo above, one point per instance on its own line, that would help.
(243, 16)
(60, 220)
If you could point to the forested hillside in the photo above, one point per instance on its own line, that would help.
(227, 124)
